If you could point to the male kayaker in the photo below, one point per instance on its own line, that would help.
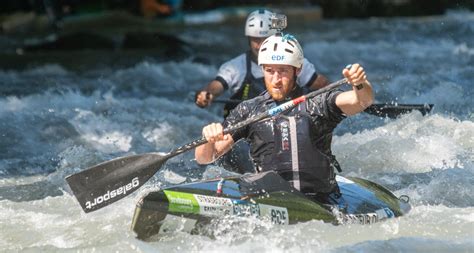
(243, 77)
(297, 143)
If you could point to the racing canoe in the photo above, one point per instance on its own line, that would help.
(188, 207)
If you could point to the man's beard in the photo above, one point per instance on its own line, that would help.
(281, 93)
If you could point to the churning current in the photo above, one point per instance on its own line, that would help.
(55, 121)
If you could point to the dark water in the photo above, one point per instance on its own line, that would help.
(55, 121)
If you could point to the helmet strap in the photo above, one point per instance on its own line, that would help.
(295, 77)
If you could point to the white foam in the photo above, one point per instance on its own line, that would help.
(410, 144)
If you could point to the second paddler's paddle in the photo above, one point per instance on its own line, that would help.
(391, 110)
(107, 182)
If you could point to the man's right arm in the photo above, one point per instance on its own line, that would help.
(217, 144)
(204, 97)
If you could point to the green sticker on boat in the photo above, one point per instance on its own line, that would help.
(182, 202)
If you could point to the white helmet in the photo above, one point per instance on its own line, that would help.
(258, 24)
(281, 49)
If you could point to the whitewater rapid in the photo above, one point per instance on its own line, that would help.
(55, 122)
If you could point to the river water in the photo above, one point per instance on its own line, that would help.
(55, 121)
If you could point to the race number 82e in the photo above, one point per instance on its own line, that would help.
(279, 216)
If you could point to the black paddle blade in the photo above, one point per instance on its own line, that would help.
(395, 110)
(107, 182)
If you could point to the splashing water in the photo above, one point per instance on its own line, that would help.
(55, 122)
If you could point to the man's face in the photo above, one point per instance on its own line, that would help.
(255, 45)
(279, 80)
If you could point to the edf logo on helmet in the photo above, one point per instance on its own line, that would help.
(278, 57)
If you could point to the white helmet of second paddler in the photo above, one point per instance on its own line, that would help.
(258, 24)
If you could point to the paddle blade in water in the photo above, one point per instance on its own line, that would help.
(107, 182)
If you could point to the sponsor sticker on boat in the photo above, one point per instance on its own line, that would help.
(368, 218)
(245, 208)
(213, 206)
(181, 202)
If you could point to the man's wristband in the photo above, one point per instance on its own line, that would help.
(360, 86)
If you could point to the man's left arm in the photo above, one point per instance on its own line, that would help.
(361, 96)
